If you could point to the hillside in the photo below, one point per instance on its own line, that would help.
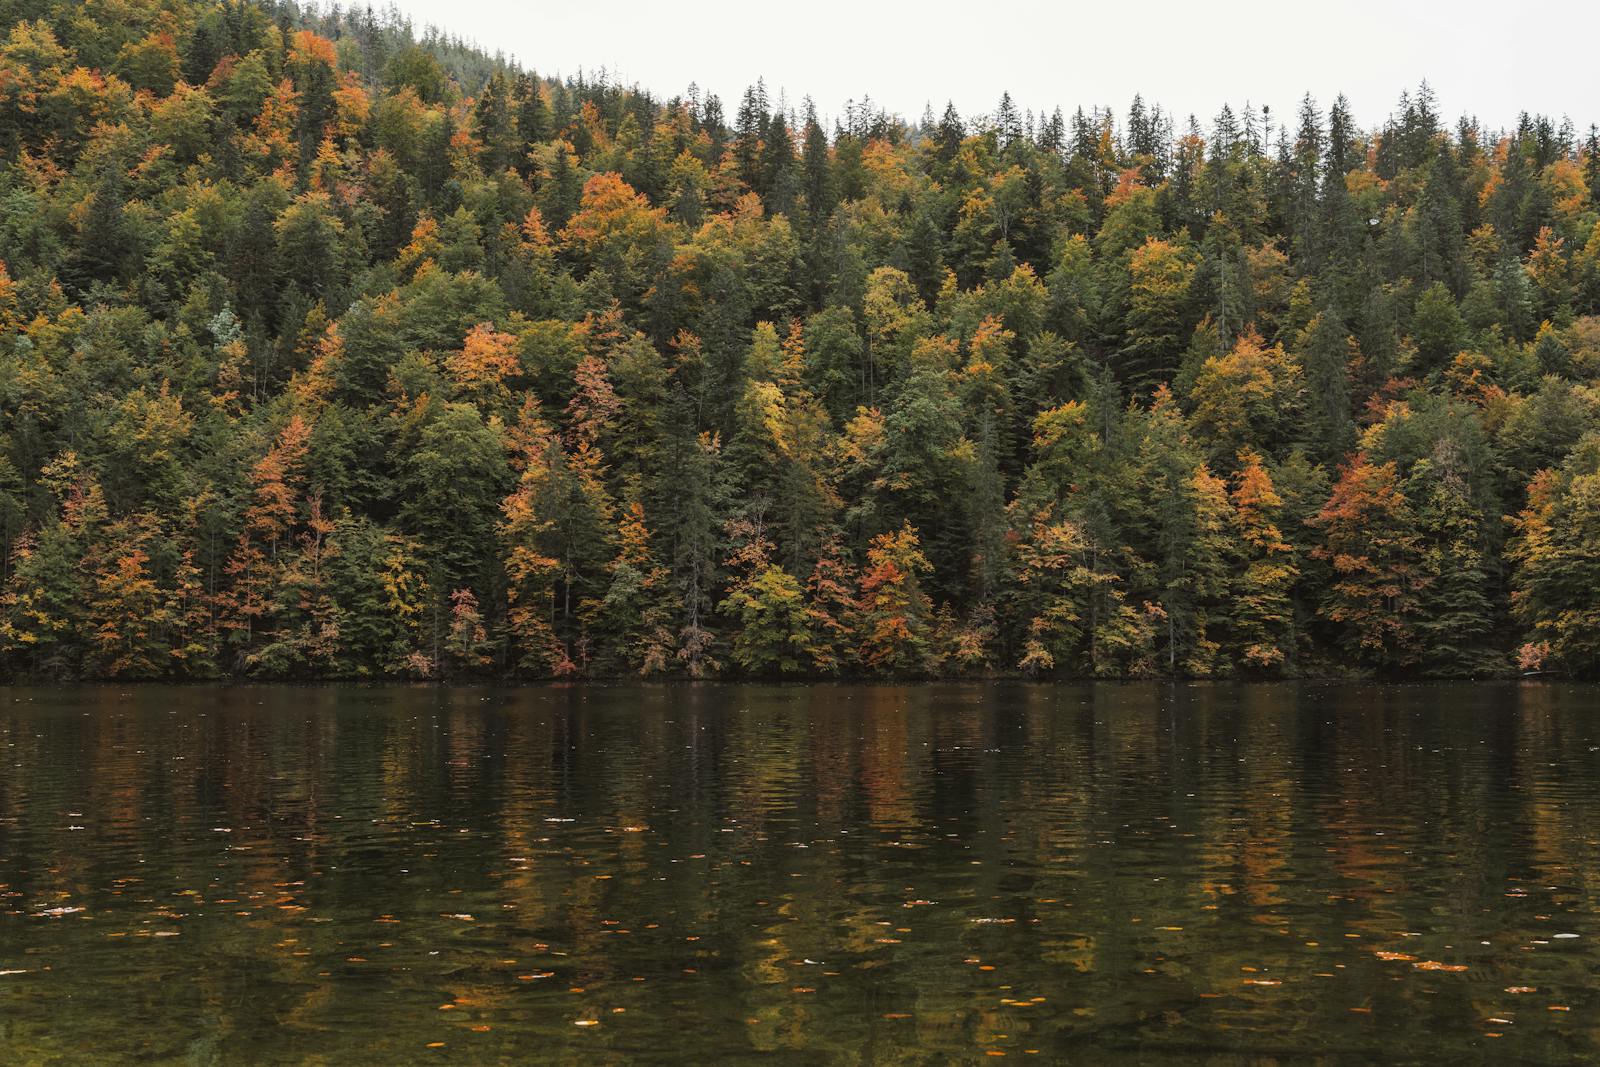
(326, 351)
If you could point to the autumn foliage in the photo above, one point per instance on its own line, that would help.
(326, 352)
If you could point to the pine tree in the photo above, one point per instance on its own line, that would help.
(1455, 618)
(1326, 352)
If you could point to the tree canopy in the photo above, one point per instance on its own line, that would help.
(331, 351)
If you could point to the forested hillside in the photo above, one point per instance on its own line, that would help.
(326, 352)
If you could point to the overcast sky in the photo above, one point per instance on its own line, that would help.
(1487, 59)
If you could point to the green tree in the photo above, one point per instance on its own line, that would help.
(1556, 584)
(1436, 327)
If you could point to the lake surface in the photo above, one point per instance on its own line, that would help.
(856, 874)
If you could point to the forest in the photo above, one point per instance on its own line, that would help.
(328, 350)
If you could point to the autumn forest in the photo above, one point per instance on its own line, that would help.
(328, 350)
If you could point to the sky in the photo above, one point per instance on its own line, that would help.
(1490, 60)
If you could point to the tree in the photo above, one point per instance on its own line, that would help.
(1556, 584)
(268, 522)
(1160, 275)
(894, 620)
(1436, 327)
(631, 625)
(378, 579)
(127, 612)
(467, 646)
(528, 531)
(1370, 540)
(1262, 619)
(1248, 398)
(1455, 617)
(1184, 521)
(1326, 353)
(616, 230)
(42, 617)
(1050, 591)
(774, 635)
(695, 503)
(452, 482)
(831, 609)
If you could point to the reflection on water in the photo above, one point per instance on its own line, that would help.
(1093, 874)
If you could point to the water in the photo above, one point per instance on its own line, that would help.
(854, 874)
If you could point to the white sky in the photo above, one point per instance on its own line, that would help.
(1489, 59)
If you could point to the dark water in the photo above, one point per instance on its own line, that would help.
(1094, 874)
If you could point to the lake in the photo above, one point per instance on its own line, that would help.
(837, 873)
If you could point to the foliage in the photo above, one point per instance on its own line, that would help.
(329, 350)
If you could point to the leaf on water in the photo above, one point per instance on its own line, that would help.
(1435, 965)
(586, 1022)
(1396, 956)
(1522, 989)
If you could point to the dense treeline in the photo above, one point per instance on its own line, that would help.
(331, 352)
